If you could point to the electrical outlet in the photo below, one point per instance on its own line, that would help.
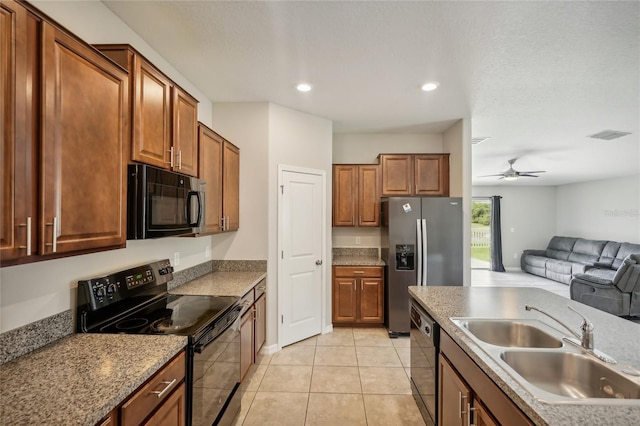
(176, 258)
(207, 252)
(357, 240)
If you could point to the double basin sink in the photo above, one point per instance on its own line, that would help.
(536, 356)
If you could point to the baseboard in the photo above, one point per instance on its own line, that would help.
(269, 350)
(512, 268)
(327, 329)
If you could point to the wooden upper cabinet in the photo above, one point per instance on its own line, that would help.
(164, 116)
(345, 195)
(210, 145)
(368, 195)
(84, 133)
(231, 187)
(431, 173)
(219, 166)
(18, 53)
(356, 195)
(415, 174)
(185, 128)
(65, 125)
(397, 174)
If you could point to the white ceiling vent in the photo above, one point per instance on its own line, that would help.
(607, 135)
(479, 140)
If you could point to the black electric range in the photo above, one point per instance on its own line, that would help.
(136, 301)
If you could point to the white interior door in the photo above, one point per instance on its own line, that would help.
(301, 248)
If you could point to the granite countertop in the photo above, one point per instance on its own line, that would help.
(221, 284)
(357, 261)
(615, 336)
(79, 379)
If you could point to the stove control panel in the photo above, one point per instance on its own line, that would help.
(100, 292)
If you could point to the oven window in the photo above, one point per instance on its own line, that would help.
(216, 371)
(166, 206)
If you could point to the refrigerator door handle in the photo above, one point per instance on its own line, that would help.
(419, 244)
(424, 252)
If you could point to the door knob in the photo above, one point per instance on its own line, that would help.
(318, 262)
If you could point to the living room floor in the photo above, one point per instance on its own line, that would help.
(351, 376)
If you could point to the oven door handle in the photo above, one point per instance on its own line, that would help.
(189, 213)
(233, 315)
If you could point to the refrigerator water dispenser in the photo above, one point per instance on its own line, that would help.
(405, 257)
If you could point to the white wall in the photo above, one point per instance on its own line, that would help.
(457, 142)
(528, 216)
(605, 209)
(301, 140)
(246, 125)
(35, 291)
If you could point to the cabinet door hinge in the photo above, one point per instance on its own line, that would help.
(282, 254)
(281, 319)
(282, 189)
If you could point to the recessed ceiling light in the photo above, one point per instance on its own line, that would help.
(303, 87)
(428, 87)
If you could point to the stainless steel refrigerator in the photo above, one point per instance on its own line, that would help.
(421, 245)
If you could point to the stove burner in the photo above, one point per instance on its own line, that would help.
(166, 324)
(132, 324)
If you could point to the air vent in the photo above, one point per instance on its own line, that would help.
(479, 140)
(607, 135)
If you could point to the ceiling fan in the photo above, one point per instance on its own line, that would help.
(511, 174)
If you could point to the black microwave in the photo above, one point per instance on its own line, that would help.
(162, 203)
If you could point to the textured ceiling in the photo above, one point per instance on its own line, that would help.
(536, 77)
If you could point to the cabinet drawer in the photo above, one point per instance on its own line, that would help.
(358, 271)
(156, 391)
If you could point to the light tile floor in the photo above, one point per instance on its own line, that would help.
(352, 376)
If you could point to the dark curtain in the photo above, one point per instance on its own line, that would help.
(496, 236)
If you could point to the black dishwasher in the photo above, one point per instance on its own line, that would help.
(425, 339)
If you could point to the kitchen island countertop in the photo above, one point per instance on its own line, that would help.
(221, 284)
(615, 336)
(79, 379)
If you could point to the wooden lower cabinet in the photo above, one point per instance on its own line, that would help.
(159, 402)
(358, 295)
(246, 343)
(260, 324)
(466, 395)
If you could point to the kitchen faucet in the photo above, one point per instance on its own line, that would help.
(584, 341)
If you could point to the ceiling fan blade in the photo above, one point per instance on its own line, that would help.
(498, 174)
(526, 175)
(533, 171)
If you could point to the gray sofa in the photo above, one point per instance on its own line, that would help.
(565, 257)
(603, 274)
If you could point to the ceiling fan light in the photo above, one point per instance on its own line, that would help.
(511, 178)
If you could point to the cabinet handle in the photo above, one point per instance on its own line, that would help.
(28, 225)
(222, 223)
(170, 162)
(358, 272)
(361, 285)
(460, 410)
(352, 220)
(354, 285)
(166, 388)
(54, 237)
(179, 159)
(469, 410)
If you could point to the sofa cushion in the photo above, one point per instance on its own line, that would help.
(628, 274)
(537, 261)
(625, 250)
(586, 251)
(559, 266)
(560, 247)
(601, 274)
(608, 254)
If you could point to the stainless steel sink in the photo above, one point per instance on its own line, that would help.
(535, 356)
(510, 333)
(570, 374)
